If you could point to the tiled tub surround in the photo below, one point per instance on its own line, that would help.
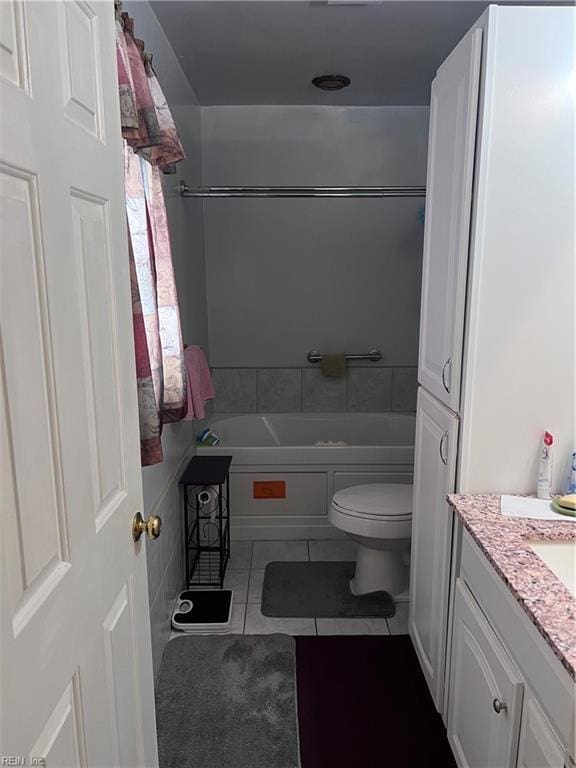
(367, 389)
(506, 543)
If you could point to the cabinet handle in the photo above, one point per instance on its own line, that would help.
(443, 440)
(444, 367)
(499, 706)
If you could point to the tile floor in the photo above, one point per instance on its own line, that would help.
(245, 574)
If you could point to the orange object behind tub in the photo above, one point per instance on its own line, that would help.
(269, 489)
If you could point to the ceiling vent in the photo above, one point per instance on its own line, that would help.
(331, 82)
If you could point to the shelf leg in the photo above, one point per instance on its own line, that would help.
(220, 536)
(186, 551)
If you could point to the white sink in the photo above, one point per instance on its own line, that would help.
(560, 557)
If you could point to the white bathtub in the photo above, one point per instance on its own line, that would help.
(304, 459)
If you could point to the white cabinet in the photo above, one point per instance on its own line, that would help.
(453, 114)
(486, 266)
(521, 255)
(486, 691)
(434, 475)
(500, 661)
(540, 746)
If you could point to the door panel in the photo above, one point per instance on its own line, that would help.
(35, 512)
(13, 48)
(121, 670)
(540, 746)
(90, 223)
(482, 678)
(451, 145)
(80, 55)
(61, 742)
(434, 475)
(77, 683)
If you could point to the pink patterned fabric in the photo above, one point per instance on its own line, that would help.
(150, 426)
(140, 236)
(150, 238)
(148, 128)
(128, 111)
(169, 150)
(147, 123)
(174, 396)
(200, 385)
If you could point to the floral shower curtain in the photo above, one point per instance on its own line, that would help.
(150, 143)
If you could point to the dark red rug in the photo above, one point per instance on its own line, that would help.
(363, 703)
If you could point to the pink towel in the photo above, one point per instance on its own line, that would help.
(200, 387)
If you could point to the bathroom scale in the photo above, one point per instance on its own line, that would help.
(203, 610)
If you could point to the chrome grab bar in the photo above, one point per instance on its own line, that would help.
(374, 356)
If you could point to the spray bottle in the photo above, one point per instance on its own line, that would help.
(545, 472)
(571, 479)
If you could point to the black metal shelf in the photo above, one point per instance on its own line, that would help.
(206, 499)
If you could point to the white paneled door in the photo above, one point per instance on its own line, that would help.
(76, 672)
(451, 147)
(434, 477)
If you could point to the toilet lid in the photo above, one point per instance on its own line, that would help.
(381, 499)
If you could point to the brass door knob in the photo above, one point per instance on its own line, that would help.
(151, 527)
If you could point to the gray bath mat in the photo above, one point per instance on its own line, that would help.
(228, 702)
(320, 591)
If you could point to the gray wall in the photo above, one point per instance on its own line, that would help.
(289, 275)
(285, 276)
(165, 556)
(315, 145)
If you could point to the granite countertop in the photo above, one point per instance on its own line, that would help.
(504, 541)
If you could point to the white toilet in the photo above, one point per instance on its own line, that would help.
(379, 518)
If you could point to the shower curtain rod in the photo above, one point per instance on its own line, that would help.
(205, 191)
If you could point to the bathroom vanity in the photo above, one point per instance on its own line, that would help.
(511, 660)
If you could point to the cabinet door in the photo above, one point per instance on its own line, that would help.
(451, 145)
(434, 474)
(485, 691)
(540, 747)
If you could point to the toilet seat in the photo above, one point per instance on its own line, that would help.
(355, 515)
(377, 501)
